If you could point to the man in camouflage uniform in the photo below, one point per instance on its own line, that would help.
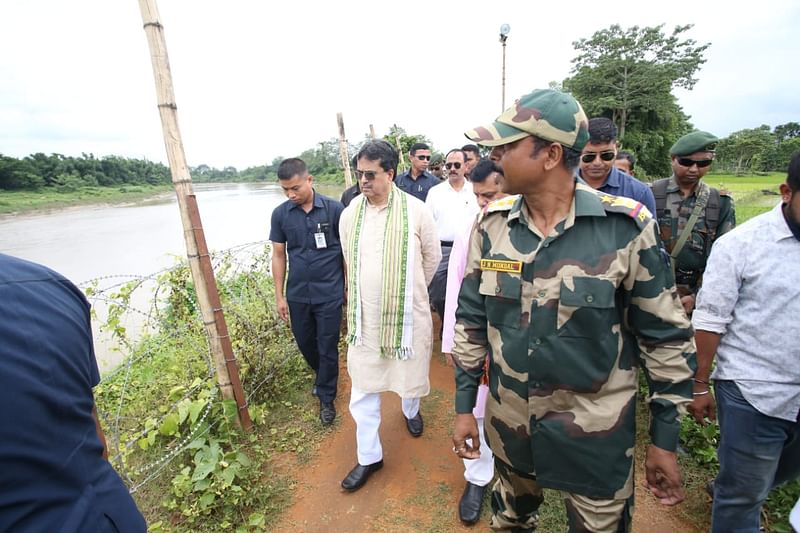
(684, 200)
(568, 290)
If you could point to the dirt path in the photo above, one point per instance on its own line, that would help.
(421, 482)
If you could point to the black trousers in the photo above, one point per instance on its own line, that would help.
(437, 290)
(316, 330)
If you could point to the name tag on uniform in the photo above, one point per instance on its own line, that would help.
(501, 265)
(319, 238)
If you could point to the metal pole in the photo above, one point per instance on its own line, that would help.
(503, 40)
(196, 248)
(504, 29)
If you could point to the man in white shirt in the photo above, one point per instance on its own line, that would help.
(453, 206)
(746, 314)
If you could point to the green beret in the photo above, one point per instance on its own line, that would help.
(697, 141)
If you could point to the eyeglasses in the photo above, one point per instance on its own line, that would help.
(369, 174)
(686, 162)
(448, 166)
(607, 155)
(423, 157)
(437, 167)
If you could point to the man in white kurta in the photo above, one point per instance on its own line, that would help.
(371, 370)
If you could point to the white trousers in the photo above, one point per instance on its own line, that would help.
(481, 470)
(365, 408)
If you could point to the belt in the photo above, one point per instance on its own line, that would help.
(447, 243)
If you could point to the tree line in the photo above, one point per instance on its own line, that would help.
(628, 75)
(66, 173)
(625, 74)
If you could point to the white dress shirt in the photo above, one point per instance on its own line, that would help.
(751, 296)
(452, 210)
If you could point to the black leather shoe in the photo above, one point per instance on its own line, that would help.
(359, 475)
(327, 413)
(414, 425)
(469, 508)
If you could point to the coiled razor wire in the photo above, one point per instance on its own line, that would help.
(240, 260)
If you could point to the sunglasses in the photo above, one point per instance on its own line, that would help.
(423, 157)
(437, 167)
(369, 174)
(448, 166)
(608, 155)
(686, 162)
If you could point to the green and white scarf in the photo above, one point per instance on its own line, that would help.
(397, 282)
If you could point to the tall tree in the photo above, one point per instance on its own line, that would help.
(406, 140)
(787, 131)
(745, 150)
(628, 76)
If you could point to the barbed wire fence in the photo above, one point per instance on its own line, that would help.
(151, 339)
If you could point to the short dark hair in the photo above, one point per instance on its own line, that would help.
(456, 150)
(629, 157)
(570, 158)
(602, 130)
(381, 151)
(484, 169)
(289, 168)
(472, 148)
(793, 176)
(418, 146)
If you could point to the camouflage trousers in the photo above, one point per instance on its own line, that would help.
(516, 497)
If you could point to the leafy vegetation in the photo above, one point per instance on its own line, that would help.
(161, 407)
(43, 181)
(759, 149)
(68, 174)
(628, 75)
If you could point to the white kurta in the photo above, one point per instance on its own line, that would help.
(369, 372)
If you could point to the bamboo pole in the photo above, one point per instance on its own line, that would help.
(348, 176)
(400, 152)
(196, 249)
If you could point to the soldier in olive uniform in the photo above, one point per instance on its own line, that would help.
(569, 291)
(685, 201)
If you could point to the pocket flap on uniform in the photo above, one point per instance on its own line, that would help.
(584, 291)
(501, 284)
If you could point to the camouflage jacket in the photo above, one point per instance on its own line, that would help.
(693, 255)
(566, 321)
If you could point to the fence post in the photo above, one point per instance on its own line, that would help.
(348, 176)
(196, 248)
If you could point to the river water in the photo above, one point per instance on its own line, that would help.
(136, 240)
(88, 242)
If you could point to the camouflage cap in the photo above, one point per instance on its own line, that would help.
(544, 113)
(697, 141)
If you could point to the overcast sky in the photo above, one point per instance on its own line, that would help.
(255, 80)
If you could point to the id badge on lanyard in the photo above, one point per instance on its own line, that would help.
(319, 237)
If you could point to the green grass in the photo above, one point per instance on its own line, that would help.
(22, 201)
(747, 192)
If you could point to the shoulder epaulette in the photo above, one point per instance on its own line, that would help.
(621, 204)
(503, 204)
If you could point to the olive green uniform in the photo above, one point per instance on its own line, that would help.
(567, 319)
(691, 260)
